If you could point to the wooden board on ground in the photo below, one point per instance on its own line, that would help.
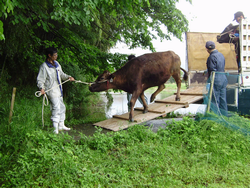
(185, 98)
(194, 91)
(115, 124)
(156, 109)
(161, 108)
(120, 122)
(139, 116)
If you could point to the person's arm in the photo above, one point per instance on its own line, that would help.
(42, 91)
(205, 72)
(211, 65)
(71, 78)
(41, 77)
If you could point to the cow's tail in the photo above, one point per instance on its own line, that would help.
(185, 76)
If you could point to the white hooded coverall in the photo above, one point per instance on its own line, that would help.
(50, 76)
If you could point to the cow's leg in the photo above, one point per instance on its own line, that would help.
(145, 105)
(177, 78)
(135, 96)
(160, 88)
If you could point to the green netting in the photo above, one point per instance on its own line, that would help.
(238, 102)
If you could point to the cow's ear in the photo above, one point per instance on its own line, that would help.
(111, 76)
(106, 72)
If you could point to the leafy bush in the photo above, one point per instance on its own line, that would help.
(186, 153)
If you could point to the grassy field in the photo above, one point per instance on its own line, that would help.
(188, 153)
(169, 87)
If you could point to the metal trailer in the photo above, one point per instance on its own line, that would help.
(196, 56)
(242, 93)
(238, 89)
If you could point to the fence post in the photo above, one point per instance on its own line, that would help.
(12, 103)
(210, 91)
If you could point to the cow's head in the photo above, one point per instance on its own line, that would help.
(103, 77)
(102, 82)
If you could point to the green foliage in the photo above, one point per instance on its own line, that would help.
(233, 121)
(204, 137)
(187, 153)
(83, 31)
(6, 6)
(107, 142)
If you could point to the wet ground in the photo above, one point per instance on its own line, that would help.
(89, 130)
(120, 102)
(86, 129)
(119, 106)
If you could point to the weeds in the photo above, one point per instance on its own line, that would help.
(186, 153)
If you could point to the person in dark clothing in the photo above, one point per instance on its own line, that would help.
(231, 35)
(216, 62)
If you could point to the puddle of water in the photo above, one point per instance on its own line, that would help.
(119, 105)
(86, 129)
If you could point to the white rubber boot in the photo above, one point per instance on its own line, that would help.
(62, 126)
(55, 125)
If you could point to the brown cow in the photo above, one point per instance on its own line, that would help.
(141, 73)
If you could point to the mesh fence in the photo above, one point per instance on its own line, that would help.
(235, 115)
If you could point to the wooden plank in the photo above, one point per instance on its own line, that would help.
(172, 102)
(156, 109)
(172, 107)
(184, 98)
(122, 117)
(146, 117)
(194, 90)
(115, 124)
(197, 94)
(126, 116)
(193, 99)
(120, 122)
(138, 116)
(159, 107)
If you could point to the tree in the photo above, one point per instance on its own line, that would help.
(6, 6)
(83, 31)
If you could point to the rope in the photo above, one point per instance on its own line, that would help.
(231, 38)
(38, 94)
(79, 81)
(226, 32)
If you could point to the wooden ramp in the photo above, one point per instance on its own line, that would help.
(156, 109)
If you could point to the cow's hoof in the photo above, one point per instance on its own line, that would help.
(177, 99)
(131, 120)
(145, 111)
(152, 99)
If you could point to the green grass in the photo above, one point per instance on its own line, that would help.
(169, 87)
(187, 153)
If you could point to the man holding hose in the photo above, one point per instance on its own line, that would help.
(49, 78)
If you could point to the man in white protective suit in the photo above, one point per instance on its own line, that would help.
(49, 78)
